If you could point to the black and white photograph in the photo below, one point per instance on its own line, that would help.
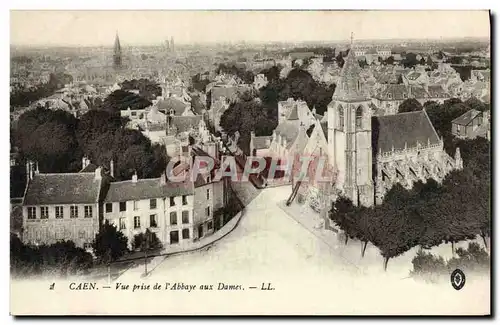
(234, 162)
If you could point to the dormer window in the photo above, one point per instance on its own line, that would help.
(405, 95)
(389, 96)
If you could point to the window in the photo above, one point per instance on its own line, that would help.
(152, 204)
(109, 207)
(184, 200)
(185, 233)
(136, 205)
(133, 113)
(359, 117)
(174, 237)
(44, 212)
(153, 221)
(123, 224)
(123, 206)
(73, 212)
(31, 213)
(59, 212)
(185, 217)
(405, 95)
(208, 211)
(208, 179)
(137, 222)
(172, 201)
(88, 211)
(210, 225)
(173, 218)
(87, 246)
(341, 118)
(208, 194)
(389, 96)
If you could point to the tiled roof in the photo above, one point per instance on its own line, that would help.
(232, 93)
(393, 92)
(437, 91)
(146, 189)
(395, 130)
(466, 118)
(65, 188)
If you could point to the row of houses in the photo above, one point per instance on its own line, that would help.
(73, 206)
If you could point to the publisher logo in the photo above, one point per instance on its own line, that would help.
(457, 279)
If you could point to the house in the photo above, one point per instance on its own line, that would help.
(61, 206)
(471, 124)
(177, 212)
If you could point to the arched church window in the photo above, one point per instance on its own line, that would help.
(359, 117)
(341, 117)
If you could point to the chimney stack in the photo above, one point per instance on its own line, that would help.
(98, 173)
(112, 168)
(134, 177)
(163, 178)
(29, 170)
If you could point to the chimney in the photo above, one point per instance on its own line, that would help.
(134, 177)
(98, 173)
(37, 171)
(29, 170)
(163, 179)
(112, 168)
(85, 162)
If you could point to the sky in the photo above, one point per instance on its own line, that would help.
(86, 28)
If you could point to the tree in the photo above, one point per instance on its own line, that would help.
(94, 123)
(120, 100)
(410, 105)
(109, 244)
(389, 60)
(410, 60)
(147, 240)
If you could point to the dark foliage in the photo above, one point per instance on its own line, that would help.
(120, 100)
(109, 244)
(147, 89)
(147, 240)
(61, 259)
(20, 98)
(410, 105)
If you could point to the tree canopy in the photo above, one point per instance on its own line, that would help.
(109, 244)
(410, 105)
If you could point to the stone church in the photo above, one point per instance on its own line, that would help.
(370, 154)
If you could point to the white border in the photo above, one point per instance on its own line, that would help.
(187, 4)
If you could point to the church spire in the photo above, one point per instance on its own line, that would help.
(117, 55)
(349, 87)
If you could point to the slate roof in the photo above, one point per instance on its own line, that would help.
(301, 55)
(146, 189)
(184, 123)
(64, 188)
(396, 130)
(466, 118)
(172, 103)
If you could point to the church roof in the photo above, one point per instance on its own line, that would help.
(404, 128)
(348, 87)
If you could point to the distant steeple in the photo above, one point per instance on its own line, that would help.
(349, 85)
(172, 46)
(117, 55)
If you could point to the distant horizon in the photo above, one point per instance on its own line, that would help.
(240, 42)
(152, 28)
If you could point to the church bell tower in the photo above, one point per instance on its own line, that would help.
(350, 134)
